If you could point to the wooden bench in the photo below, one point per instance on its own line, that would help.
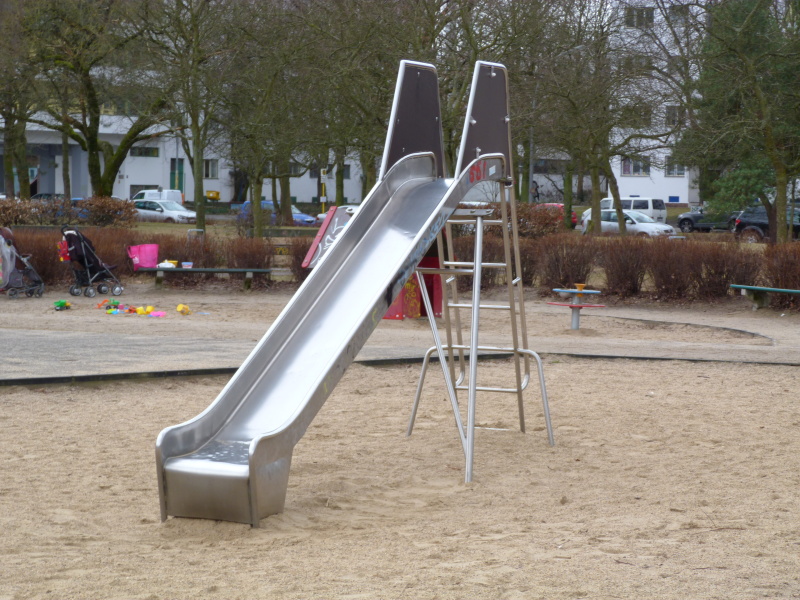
(161, 271)
(758, 295)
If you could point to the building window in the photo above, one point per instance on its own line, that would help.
(639, 16)
(211, 168)
(313, 172)
(637, 64)
(678, 15)
(346, 169)
(148, 151)
(673, 116)
(296, 169)
(636, 167)
(673, 169)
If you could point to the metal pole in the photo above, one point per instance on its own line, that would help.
(473, 348)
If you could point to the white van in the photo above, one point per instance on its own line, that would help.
(160, 195)
(652, 207)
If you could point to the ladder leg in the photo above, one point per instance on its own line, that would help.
(451, 390)
(425, 363)
(473, 348)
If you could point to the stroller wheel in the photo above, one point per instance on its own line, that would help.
(102, 288)
(40, 291)
(116, 290)
(89, 292)
(75, 290)
(12, 293)
(29, 293)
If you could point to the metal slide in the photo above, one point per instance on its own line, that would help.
(232, 461)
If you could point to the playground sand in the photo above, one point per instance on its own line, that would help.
(669, 479)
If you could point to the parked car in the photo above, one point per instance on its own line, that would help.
(752, 224)
(635, 223)
(159, 195)
(705, 221)
(652, 207)
(301, 219)
(47, 197)
(165, 211)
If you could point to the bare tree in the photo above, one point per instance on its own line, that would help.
(193, 44)
(87, 42)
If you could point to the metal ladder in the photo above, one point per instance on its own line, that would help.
(456, 366)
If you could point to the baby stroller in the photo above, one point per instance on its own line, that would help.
(87, 267)
(13, 278)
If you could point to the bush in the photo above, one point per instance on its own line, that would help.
(625, 264)
(529, 254)
(298, 248)
(536, 221)
(243, 253)
(14, 212)
(102, 211)
(565, 259)
(674, 266)
(493, 252)
(724, 264)
(782, 270)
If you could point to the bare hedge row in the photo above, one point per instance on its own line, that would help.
(665, 269)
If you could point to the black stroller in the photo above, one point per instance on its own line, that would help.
(16, 273)
(88, 269)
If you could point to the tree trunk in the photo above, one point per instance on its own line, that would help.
(779, 226)
(256, 183)
(594, 173)
(20, 150)
(198, 146)
(8, 158)
(369, 173)
(612, 184)
(65, 177)
(568, 195)
(339, 160)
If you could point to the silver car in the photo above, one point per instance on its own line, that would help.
(164, 211)
(636, 223)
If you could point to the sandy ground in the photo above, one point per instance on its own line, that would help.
(669, 479)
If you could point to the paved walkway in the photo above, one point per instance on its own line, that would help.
(41, 356)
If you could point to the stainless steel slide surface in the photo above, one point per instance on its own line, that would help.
(232, 461)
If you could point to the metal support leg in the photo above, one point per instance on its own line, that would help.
(473, 348)
(576, 317)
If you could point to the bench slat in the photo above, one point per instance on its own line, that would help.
(201, 270)
(756, 288)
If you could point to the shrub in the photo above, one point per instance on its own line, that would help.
(724, 264)
(536, 221)
(493, 252)
(625, 264)
(674, 267)
(782, 270)
(529, 254)
(243, 253)
(14, 212)
(298, 248)
(102, 211)
(565, 259)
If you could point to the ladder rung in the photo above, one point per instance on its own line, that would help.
(490, 389)
(449, 263)
(482, 306)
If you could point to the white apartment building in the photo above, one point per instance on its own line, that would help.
(652, 173)
(160, 162)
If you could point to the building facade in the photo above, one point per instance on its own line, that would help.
(159, 162)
